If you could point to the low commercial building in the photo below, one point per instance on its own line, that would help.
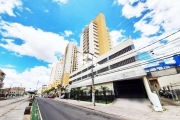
(120, 70)
(16, 91)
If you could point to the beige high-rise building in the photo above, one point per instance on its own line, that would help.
(95, 38)
(70, 62)
(56, 74)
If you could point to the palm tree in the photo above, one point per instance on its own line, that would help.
(59, 86)
(104, 89)
(52, 89)
(46, 92)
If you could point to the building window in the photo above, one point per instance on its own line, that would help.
(127, 49)
(102, 61)
(122, 63)
(103, 70)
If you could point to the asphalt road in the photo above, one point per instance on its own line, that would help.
(56, 110)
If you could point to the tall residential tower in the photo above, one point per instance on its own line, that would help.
(70, 62)
(95, 38)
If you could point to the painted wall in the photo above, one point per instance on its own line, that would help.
(66, 79)
(103, 38)
(109, 85)
(166, 80)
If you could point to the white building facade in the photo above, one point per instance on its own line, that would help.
(120, 70)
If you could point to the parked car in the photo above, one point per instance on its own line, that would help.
(161, 92)
(168, 94)
(51, 96)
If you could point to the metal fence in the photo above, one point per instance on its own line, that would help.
(35, 113)
(175, 89)
(100, 96)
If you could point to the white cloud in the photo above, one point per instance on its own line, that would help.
(147, 29)
(74, 41)
(10, 66)
(7, 6)
(46, 10)
(3, 52)
(36, 42)
(117, 36)
(28, 78)
(61, 1)
(162, 18)
(67, 33)
(28, 10)
(7, 66)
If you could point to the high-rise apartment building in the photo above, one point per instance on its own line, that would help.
(59, 69)
(70, 62)
(56, 74)
(95, 38)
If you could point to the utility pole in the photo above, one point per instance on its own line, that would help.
(9, 89)
(92, 76)
(37, 85)
(93, 88)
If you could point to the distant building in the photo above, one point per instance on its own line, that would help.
(42, 89)
(56, 74)
(2, 76)
(16, 91)
(70, 62)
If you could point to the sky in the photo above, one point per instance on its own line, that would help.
(33, 35)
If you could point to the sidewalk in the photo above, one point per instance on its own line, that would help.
(16, 113)
(171, 113)
(7, 105)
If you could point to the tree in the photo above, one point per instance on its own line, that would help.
(59, 86)
(46, 92)
(52, 89)
(104, 88)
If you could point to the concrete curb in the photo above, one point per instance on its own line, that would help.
(39, 112)
(13, 107)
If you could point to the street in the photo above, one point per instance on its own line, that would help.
(56, 110)
(13, 109)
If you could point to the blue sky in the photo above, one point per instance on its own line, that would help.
(33, 35)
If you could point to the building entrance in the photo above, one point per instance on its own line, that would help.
(130, 89)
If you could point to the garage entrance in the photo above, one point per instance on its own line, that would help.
(130, 89)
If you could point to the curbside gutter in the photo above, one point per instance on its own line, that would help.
(39, 111)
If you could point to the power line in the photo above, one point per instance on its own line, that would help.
(148, 45)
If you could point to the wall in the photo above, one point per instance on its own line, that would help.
(166, 80)
(109, 85)
(66, 79)
(169, 71)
